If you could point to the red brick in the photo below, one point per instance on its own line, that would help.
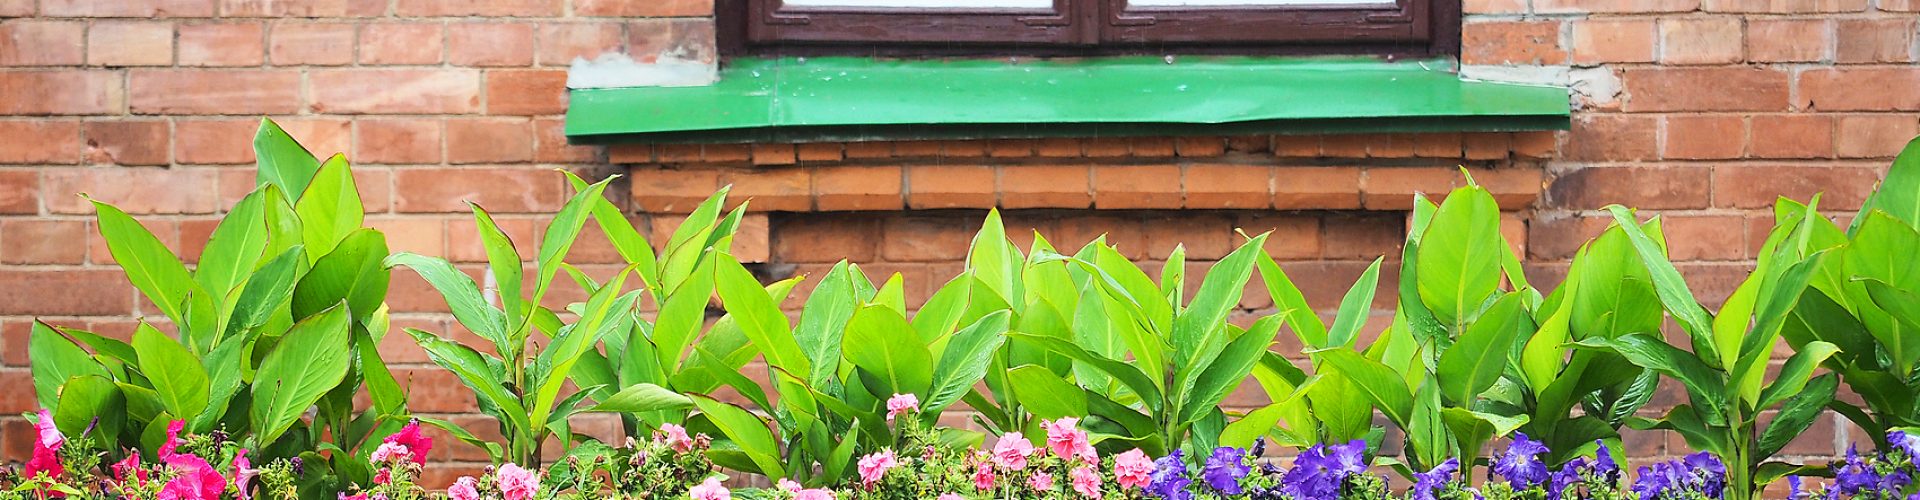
(1788, 40)
(214, 141)
(820, 151)
(1538, 145)
(130, 43)
(858, 188)
(1705, 237)
(1045, 186)
(826, 238)
(950, 186)
(322, 136)
(61, 92)
(126, 8)
(29, 241)
(223, 44)
(1205, 146)
(316, 44)
(127, 142)
(1485, 146)
(401, 43)
(1136, 186)
(1874, 40)
(1512, 42)
(19, 192)
(303, 8)
(1441, 145)
(655, 8)
(490, 44)
(1700, 40)
(1495, 6)
(1783, 6)
(526, 92)
(1758, 186)
(1228, 186)
(1874, 136)
(425, 236)
(1360, 235)
(214, 92)
(1329, 188)
(1105, 147)
(1558, 237)
(483, 8)
(648, 40)
(1205, 236)
(1706, 89)
(1705, 137)
(501, 190)
(1345, 145)
(550, 144)
(1646, 187)
(1296, 146)
(1151, 147)
(967, 149)
(726, 153)
(1294, 236)
(38, 141)
(671, 190)
(560, 43)
(787, 189)
(1613, 138)
(1614, 6)
(1011, 148)
(41, 43)
(1860, 89)
(397, 140)
(924, 239)
(1792, 136)
(1392, 188)
(142, 190)
(82, 292)
(1613, 40)
(489, 140)
(1057, 147)
(773, 154)
(395, 91)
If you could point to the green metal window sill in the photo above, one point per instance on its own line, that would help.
(860, 99)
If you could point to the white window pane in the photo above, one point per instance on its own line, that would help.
(928, 4)
(1250, 3)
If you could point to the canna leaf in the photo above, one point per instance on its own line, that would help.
(310, 360)
(329, 208)
(282, 161)
(1458, 272)
(965, 360)
(462, 296)
(1482, 352)
(175, 373)
(55, 360)
(639, 398)
(1379, 383)
(746, 432)
(876, 343)
(152, 268)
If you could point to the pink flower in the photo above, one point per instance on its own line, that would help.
(465, 488)
(355, 496)
(417, 444)
(382, 477)
(1041, 481)
(196, 480)
(173, 439)
(1086, 481)
(675, 437)
(516, 483)
(129, 468)
(710, 490)
(1133, 469)
(1012, 451)
(49, 434)
(814, 494)
(243, 473)
(875, 465)
(46, 449)
(787, 485)
(950, 496)
(902, 403)
(984, 476)
(1067, 441)
(391, 451)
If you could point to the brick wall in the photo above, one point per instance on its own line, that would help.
(1699, 110)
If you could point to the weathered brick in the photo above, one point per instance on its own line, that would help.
(826, 238)
(1228, 186)
(1788, 40)
(315, 44)
(490, 44)
(397, 140)
(40, 141)
(1205, 236)
(1874, 40)
(526, 92)
(1045, 186)
(1302, 188)
(1792, 136)
(391, 91)
(126, 8)
(482, 8)
(657, 8)
(1758, 186)
(1647, 187)
(130, 43)
(1392, 188)
(214, 92)
(1136, 186)
(1105, 147)
(1360, 235)
(1874, 136)
(323, 136)
(82, 292)
(19, 192)
(1705, 237)
(551, 146)
(41, 43)
(401, 43)
(1200, 147)
(788, 189)
(560, 43)
(61, 92)
(950, 186)
(30, 241)
(501, 190)
(1597, 137)
(1783, 6)
(128, 142)
(303, 8)
(858, 188)
(1700, 40)
(1860, 89)
(672, 190)
(1512, 42)
(766, 154)
(141, 190)
(214, 141)
(223, 44)
(1295, 236)
(1610, 40)
(1705, 137)
(489, 140)
(819, 151)
(1613, 6)
(1706, 89)
(924, 239)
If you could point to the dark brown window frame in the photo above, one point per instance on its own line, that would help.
(1409, 28)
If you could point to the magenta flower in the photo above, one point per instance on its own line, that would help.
(1086, 481)
(675, 437)
(391, 451)
(129, 468)
(196, 480)
(1067, 441)
(1012, 451)
(465, 488)
(788, 485)
(243, 473)
(517, 483)
(46, 449)
(874, 466)
(1133, 469)
(711, 489)
(902, 403)
(173, 439)
(984, 476)
(416, 443)
(950, 496)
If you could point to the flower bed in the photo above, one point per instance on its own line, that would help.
(1087, 375)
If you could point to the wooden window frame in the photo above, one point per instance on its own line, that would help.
(1407, 28)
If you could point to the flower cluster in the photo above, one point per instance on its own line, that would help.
(397, 463)
(670, 461)
(185, 467)
(1887, 475)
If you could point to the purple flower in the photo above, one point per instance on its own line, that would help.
(1170, 478)
(1571, 472)
(1793, 489)
(1521, 463)
(1906, 443)
(1224, 468)
(1319, 472)
(1713, 474)
(1425, 484)
(1698, 473)
(1603, 463)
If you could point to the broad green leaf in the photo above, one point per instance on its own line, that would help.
(965, 360)
(283, 162)
(1667, 282)
(879, 341)
(1046, 395)
(475, 370)
(494, 453)
(1129, 374)
(236, 245)
(1241, 433)
(1648, 351)
(1898, 337)
(1200, 329)
(823, 322)
(689, 243)
(1458, 272)
(353, 273)
(746, 432)
(640, 398)
(1545, 354)
(385, 392)
(1795, 373)
(626, 240)
(1796, 416)
(329, 208)
(1615, 294)
(1899, 193)
(56, 360)
(270, 288)
(605, 312)
(174, 371)
(1228, 370)
(758, 316)
(152, 268)
(1354, 308)
(91, 405)
(1379, 383)
(1482, 352)
(462, 295)
(560, 235)
(309, 361)
(681, 315)
(503, 260)
(1292, 304)
(995, 260)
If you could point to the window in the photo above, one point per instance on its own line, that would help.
(1090, 27)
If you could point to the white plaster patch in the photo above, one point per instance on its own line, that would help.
(616, 70)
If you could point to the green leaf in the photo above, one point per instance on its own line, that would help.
(626, 240)
(1292, 304)
(746, 432)
(353, 273)
(329, 208)
(1241, 433)
(639, 398)
(1796, 416)
(1380, 384)
(236, 245)
(965, 360)
(1128, 373)
(1647, 351)
(91, 403)
(175, 373)
(758, 316)
(1482, 352)
(56, 360)
(823, 322)
(1795, 373)
(503, 260)
(270, 288)
(1225, 372)
(606, 311)
(152, 268)
(688, 245)
(1667, 282)
(283, 162)
(494, 453)
(1200, 329)
(309, 361)
(475, 370)
(1046, 395)
(1458, 272)
(1354, 308)
(877, 342)
(462, 295)
(682, 312)
(385, 392)
(995, 260)
(561, 233)
(1899, 193)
